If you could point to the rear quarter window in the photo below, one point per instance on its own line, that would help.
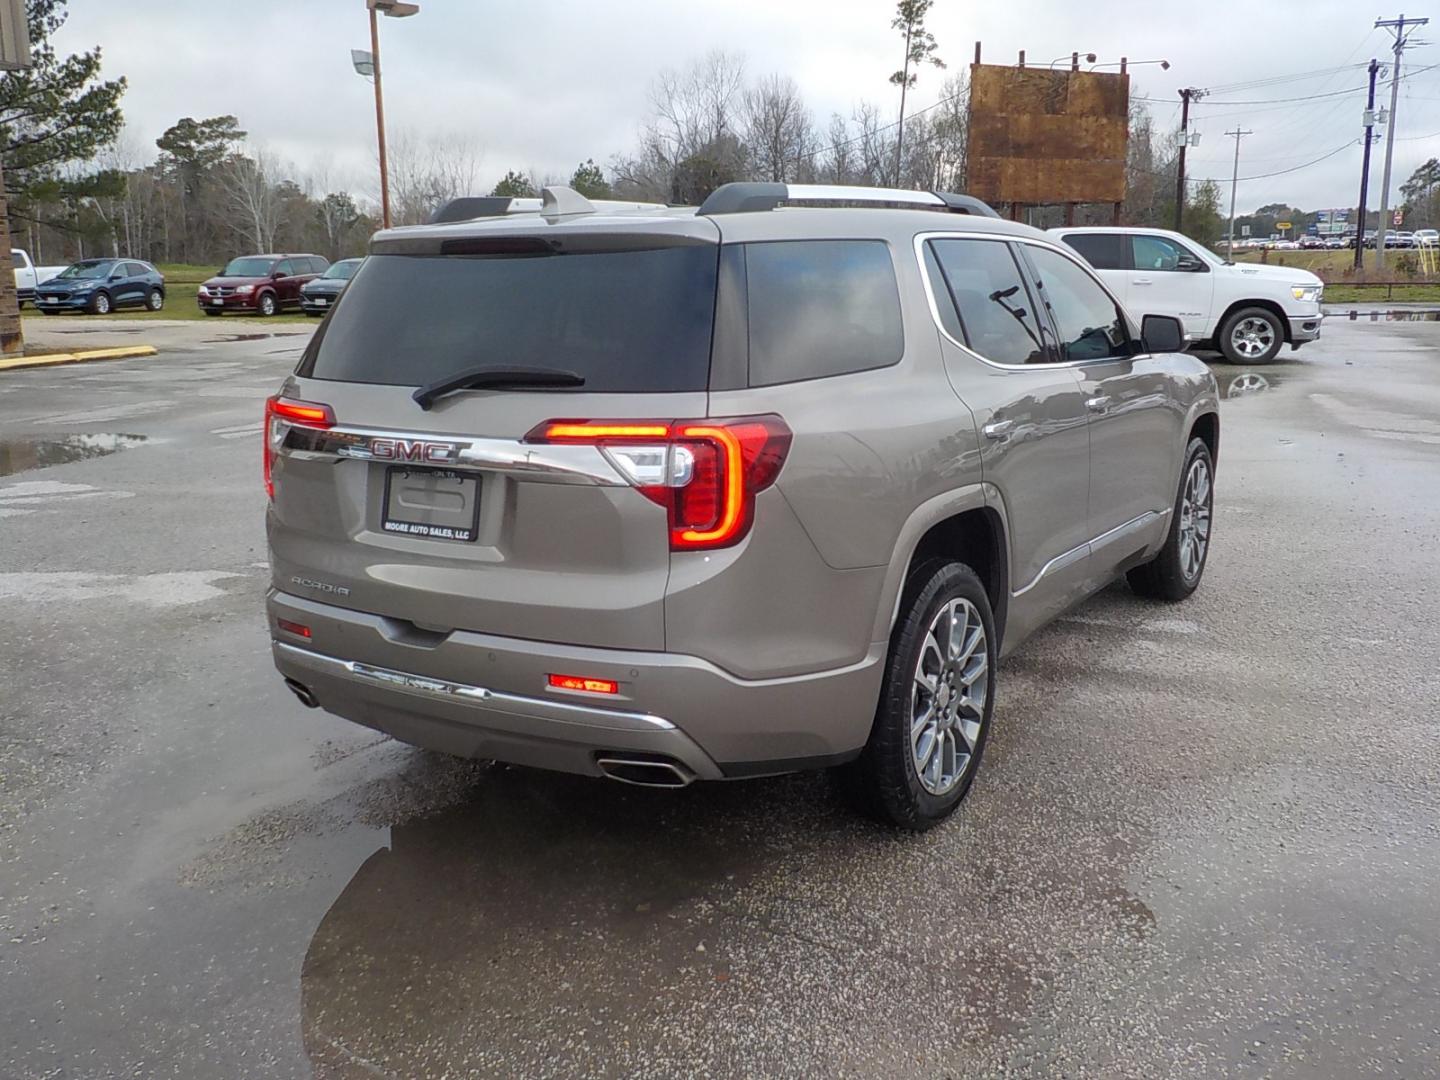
(821, 307)
(1103, 251)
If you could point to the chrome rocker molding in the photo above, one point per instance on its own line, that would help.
(445, 690)
(1085, 550)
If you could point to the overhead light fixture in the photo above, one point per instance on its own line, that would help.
(363, 62)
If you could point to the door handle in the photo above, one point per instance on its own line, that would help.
(1098, 404)
(1142, 281)
(999, 429)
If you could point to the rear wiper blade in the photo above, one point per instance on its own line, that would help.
(489, 377)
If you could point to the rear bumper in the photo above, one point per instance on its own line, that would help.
(486, 696)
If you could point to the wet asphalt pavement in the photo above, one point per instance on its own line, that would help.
(1205, 840)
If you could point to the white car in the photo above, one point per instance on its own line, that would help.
(1427, 237)
(1248, 311)
(28, 275)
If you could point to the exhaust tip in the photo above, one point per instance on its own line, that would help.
(304, 693)
(645, 771)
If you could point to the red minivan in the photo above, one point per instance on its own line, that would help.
(260, 283)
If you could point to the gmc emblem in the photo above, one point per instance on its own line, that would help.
(412, 450)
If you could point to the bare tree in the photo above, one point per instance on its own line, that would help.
(427, 172)
(779, 132)
(256, 207)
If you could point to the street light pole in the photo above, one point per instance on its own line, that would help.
(396, 9)
(380, 119)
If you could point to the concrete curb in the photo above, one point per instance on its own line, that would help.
(123, 353)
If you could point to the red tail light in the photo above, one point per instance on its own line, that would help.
(281, 414)
(584, 684)
(706, 473)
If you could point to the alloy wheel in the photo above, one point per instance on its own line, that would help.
(948, 697)
(1195, 507)
(1252, 337)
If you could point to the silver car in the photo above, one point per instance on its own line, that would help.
(669, 495)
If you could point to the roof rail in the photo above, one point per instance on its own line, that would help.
(556, 200)
(742, 198)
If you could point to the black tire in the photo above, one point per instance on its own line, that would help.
(100, 303)
(1273, 339)
(266, 305)
(1165, 577)
(885, 781)
(155, 300)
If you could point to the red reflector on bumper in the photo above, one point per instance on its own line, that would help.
(296, 628)
(589, 686)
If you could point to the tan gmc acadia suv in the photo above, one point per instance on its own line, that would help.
(675, 494)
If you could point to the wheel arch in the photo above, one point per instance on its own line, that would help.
(964, 526)
(1271, 306)
(1206, 426)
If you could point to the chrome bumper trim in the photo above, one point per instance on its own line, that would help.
(544, 463)
(463, 693)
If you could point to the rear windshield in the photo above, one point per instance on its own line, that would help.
(624, 320)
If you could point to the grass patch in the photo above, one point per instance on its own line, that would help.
(1410, 294)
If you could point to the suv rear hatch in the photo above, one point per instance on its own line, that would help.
(441, 514)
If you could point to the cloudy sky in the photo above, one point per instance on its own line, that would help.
(542, 86)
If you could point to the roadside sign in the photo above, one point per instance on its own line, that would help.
(1244, 230)
(1282, 225)
(1399, 217)
(14, 36)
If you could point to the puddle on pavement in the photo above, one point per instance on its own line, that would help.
(17, 455)
(107, 330)
(250, 337)
(1247, 383)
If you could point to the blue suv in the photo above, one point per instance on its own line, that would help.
(99, 286)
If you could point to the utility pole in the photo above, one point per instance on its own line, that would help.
(1365, 167)
(1396, 27)
(1234, 183)
(1187, 95)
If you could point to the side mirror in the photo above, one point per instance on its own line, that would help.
(278, 275)
(1162, 333)
(1189, 264)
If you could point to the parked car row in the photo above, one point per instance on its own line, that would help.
(267, 284)
(28, 275)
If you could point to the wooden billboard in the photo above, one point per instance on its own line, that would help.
(1039, 136)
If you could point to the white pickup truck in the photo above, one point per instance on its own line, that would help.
(1246, 310)
(28, 275)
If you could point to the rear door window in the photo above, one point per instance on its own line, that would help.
(997, 313)
(625, 321)
(820, 308)
(1104, 251)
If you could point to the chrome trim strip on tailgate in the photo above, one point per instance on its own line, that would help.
(551, 464)
(464, 693)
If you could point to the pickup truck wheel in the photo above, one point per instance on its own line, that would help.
(1252, 336)
(935, 704)
(100, 304)
(1175, 573)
